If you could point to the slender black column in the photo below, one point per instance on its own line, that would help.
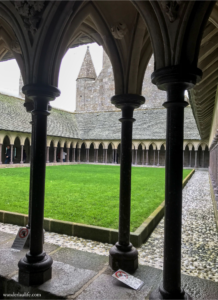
(103, 159)
(203, 159)
(61, 154)
(73, 154)
(190, 158)
(143, 156)
(113, 151)
(21, 158)
(55, 154)
(175, 82)
(115, 156)
(47, 160)
(79, 152)
(123, 255)
(0, 154)
(106, 156)
(35, 267)
(154, 158)
(136, 157)
(87, 154)
(196, 158)
(12, 154)
(146, 157)
(68, 154)
(158, 157)
(96, 155)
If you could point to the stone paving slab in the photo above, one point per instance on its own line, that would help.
(79, 259)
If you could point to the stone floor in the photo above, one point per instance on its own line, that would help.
(199, 238)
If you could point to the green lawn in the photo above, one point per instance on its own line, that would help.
(86, 194)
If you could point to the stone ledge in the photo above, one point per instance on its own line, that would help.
(100, 234)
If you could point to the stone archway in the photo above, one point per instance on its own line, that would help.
(92, 153)
(83, 153)
(100, 153)
(110, 156)
(17, 151)
(6, 142)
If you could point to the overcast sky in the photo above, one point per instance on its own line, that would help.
(71, 63)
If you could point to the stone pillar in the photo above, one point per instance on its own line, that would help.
(146, 157)
(183, 158)
(79, 152)
(136, 157)
(61, 155)
(47, 161)
(158, 157)
(96, 155)
(73, 154)
(35, 268)
(21, 158)
(0, 154)
(68, 154)
(175, 81)
(154, 158)
(190, 158)
(196, 158)
(143, 156)
(87, 154)
(133, 156)
(103, 159)
(203, 159)
(123, 255)
(115, 156)
(12, 154)
(106, 156)
(55, 154)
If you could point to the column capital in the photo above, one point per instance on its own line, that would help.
(177, 75)
(127, 101)
(47, 92)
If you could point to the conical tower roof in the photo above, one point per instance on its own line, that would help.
(87, 69)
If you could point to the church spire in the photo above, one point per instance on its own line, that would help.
(87, 69)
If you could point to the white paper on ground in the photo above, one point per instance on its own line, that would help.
(128, 279)
(20, 239)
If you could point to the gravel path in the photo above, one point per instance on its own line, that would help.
(199, 237)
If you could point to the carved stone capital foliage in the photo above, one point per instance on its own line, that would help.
(31, 13)
(171, 9)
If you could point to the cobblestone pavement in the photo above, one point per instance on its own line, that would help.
(199, 237)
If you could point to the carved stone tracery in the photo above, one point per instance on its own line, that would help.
(31, 13)
(171, 9)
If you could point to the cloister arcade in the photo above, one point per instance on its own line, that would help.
(149, 153)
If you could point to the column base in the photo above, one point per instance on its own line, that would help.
(160, 293)
(21, 162)
(11, 163)
(35, 273)
(127, 261)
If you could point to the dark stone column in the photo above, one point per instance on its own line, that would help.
(196, 158)
(143, 156)
(68, 155)
(115, 156)
(87, 155)
(175, 82)
(154, 158)
(47, 155)
(146, 157)
(12, 155)
(190, 158)
(35, 267)
(61, 155)
(79, 152)
(0, 154)
(73, 154)
(21, 154)
(106, 156)
(96, 155)
(123, 255)
(136, 157)
(103, 160)
(133, 156)
(183, 158)
(55, 154)
(158, 157)
(203, 159)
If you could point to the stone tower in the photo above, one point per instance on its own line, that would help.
(87, 76)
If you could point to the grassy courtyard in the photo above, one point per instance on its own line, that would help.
(87, 194)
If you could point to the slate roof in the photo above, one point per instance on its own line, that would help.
(149, 124)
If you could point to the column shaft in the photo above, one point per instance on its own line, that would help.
(21, 158)
(87, 155)
(133, 156)
(73, 154)
(0, 154)
(96, 156)
(61, 155)
(115, 156)
(196, 158)
(154, 158)
(158, 157)
(106, 156)
(47, 155)
(79, 152)
(146, 157)
(136, 157)
(55, 154)
(173, 190)
(203, 159)
(12, 155)
(68, 154)
(143, 156)
(190, 158)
